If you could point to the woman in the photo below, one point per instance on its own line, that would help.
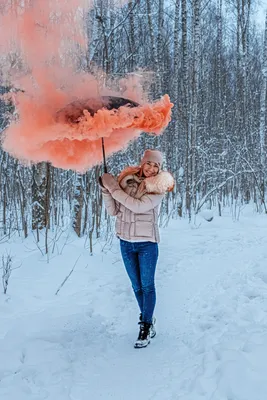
(134, 199)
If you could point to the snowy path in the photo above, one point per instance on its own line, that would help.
(211, 312)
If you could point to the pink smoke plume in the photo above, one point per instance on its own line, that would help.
(47, 37)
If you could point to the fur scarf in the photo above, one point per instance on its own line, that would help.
(136, 186)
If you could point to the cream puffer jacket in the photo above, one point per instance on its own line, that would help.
(135, 202)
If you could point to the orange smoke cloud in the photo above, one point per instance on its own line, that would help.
(78, 146)
(46, 36)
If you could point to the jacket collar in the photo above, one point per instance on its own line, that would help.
(161, 183)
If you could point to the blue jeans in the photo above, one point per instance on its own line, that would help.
(140, 260)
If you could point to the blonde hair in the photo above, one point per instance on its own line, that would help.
(136, 170)
(130, 171)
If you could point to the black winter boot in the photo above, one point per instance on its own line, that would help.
(143, 337)
(152, 330)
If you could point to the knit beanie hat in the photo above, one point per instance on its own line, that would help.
(153, 156)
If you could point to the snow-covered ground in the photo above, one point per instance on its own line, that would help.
(78, 345)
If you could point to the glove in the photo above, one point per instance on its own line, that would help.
(100, 182)
(110, 182)
(102, 187)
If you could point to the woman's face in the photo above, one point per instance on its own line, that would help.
(150, 169)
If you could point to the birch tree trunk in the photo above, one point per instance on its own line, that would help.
(263, 103)
(160, 66)
(132, 65)
(40, 198)
(78, 205)
(176, 98)
(185, 93)
(194, 100)
(154, 53)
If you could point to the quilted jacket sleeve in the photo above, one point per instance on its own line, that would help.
(110, 204)
(138, 206)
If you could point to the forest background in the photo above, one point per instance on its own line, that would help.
(211, 58)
